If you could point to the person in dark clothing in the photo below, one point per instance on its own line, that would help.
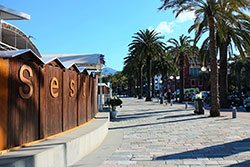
(169, 96)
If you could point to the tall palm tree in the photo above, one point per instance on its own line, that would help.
(165, 66)
(232, 31)
(134, 62)
(239, 72)
(235, 30)
(148, 44)
(207, 14)
(182, 51)
(128, 71)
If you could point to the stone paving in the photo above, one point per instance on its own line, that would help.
(162, 135)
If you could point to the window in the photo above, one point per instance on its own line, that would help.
(194, 72)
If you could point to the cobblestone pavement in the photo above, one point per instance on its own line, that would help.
(162, 135)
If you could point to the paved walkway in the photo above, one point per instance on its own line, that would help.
(150, 134)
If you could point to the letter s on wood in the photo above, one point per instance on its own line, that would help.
(72, 88)
(26, 81)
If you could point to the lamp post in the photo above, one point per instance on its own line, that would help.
(161, 91)
(204, 70)
(175, 86)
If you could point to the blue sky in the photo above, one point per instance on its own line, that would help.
(87, 26)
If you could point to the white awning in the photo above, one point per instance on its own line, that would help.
(10, 14)
(91, 61)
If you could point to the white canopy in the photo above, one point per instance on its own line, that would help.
(90, 61)
(10, 14)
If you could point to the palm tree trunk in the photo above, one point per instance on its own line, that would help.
(223, 76)
(153, 87)
(238, 71)
(148, 60)
(140, 83)
(181, 78)
(214, 111)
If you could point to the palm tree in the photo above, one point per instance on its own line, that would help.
(181, 51)
(239, 72)
(148, 44)
(165, 65)
(235, 30)
(128, 71)
(208, 12)
(134, 62)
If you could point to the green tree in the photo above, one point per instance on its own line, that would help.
(239, 73)
(233, 31)
(133, 69)
(182, 51)
(119, 82)
(148, 44)
(165, 66)
(230, 31)
(208, 12)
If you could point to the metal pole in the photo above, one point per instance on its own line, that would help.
(100, 79)
(234, 112)
(186, 105)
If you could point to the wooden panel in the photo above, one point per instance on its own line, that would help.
(94, 95)
(4, 75)
(23, 115)
(88, 94)
(69, 99)
(82, 107)
(51, 100)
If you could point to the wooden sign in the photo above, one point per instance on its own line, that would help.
(39, 100)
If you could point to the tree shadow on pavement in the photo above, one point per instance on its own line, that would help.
(154, 112)
(157, 123)
(177, 116)
(125, 118)
(216, 151)
(241, 164)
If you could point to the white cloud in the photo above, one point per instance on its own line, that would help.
(168, 27)
(186, 16)
(165, 27)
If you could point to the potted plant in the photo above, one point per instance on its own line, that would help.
(114, 102)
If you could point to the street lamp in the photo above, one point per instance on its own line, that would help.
(203, 69)
(161, 91)
(175, 86)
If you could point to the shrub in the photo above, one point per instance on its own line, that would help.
(113, 102)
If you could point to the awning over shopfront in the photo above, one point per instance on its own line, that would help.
(10, 14)
(89, 63)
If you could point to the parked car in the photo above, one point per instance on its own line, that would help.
(203, 95)
(246, 103)
(188, 93)
(235, 100)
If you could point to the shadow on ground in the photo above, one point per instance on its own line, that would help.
(241, 164)
(157, 123)
(154, 112)
(216, 151)
(177, 116)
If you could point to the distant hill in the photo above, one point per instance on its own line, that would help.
(108, 71)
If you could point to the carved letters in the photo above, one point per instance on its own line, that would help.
(26, 81)
(72, 88)
(54, 85)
